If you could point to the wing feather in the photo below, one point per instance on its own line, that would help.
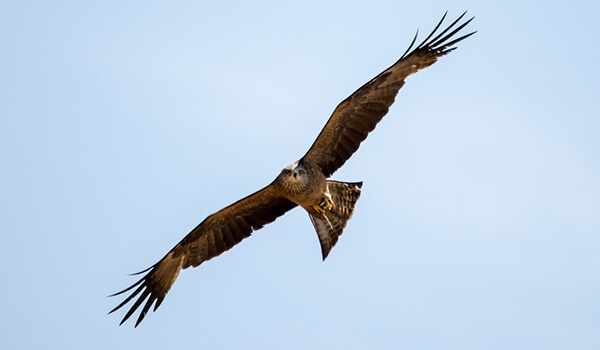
(218, 233)
(356, 116)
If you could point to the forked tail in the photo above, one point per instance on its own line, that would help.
(330, 225)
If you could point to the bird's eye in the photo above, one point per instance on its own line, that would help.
(301, 172)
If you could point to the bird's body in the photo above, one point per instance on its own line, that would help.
(305, 183)
(329, 204)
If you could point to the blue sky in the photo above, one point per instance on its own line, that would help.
(124, 124)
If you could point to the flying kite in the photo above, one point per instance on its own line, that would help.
(304, 183)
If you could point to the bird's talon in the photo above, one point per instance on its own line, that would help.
(326, 203)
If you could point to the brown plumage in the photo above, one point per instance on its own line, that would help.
(330, 204)
(356, 116)
(215, 235)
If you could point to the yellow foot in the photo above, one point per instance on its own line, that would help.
(325, 204)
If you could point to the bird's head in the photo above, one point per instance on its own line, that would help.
(294, 173)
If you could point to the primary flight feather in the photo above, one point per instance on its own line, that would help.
(304, 183)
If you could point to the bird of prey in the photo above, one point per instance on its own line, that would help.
(304, 183)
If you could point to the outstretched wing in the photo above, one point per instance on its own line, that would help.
(216, 234)
(356, 116)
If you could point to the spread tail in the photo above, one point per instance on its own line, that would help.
(330, 224)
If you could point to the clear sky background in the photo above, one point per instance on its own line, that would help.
(124, 124)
